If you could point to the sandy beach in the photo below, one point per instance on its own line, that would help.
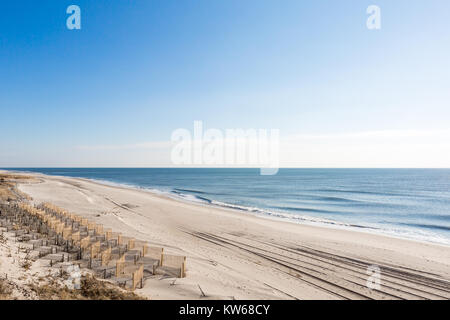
(233, 255)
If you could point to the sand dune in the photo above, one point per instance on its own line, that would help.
(233, 255)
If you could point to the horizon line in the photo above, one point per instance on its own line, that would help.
(256, 168)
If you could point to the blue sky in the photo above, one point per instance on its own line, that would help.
(137, 70)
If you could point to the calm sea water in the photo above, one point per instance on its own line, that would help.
(411, 203)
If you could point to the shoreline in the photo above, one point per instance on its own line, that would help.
(262, 213)
(319, 223)
(234, 255)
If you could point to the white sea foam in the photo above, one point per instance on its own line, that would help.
(398, 232)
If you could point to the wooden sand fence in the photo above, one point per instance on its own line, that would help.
(90, 237)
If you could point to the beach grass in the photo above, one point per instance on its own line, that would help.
(90, 289)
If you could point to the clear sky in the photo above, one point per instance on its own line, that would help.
(112, 93)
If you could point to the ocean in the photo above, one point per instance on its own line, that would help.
(407, 203)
